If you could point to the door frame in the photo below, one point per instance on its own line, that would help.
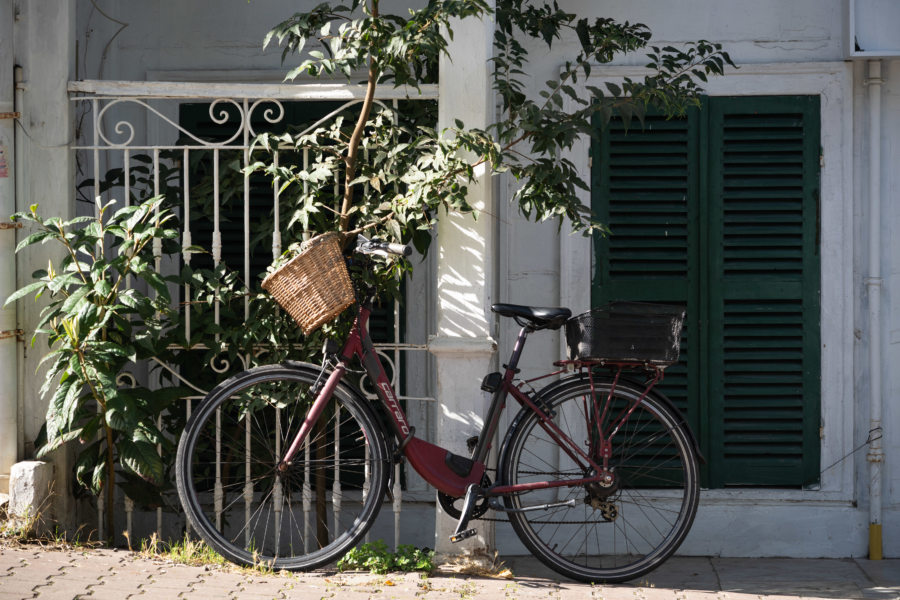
(833, 82)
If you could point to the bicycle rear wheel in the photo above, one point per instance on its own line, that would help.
(252, 513)
(610, 534)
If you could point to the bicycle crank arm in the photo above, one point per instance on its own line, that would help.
(496, 505)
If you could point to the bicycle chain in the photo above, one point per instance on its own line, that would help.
(495, 520)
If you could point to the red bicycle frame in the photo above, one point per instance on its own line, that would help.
(447, 472)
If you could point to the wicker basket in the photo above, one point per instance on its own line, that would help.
(627, 332)
(314, 286)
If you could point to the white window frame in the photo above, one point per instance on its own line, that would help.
(832, 81)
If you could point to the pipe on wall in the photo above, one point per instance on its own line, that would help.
(19, 79)
(873, 287)
(9, 412)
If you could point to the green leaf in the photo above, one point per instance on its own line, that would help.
(156, 281)
(31, 287)
(87, 462)
(120, 414)
(394, 227)
(140, 457)
(98, 478)
(36, 237)
(71, 304)
(49, 446)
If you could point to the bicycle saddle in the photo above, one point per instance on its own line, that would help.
(534, 317)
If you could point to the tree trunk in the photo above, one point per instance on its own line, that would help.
(353, 147)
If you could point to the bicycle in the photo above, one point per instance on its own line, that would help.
(598, 474)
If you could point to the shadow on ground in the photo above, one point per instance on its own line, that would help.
(808, 578)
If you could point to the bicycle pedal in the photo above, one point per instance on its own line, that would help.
(462, 535)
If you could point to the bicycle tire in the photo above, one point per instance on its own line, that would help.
(614, 534)
(265, 406)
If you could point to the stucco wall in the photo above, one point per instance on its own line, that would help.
(189, 35)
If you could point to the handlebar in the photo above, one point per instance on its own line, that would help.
(376, 246)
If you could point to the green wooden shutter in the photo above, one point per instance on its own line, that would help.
(645, 190)
(763, 290)
(718, 211)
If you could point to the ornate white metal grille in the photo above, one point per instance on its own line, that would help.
(123, 121)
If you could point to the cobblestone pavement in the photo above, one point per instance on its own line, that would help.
(34, 572)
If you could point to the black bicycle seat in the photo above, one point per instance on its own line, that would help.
(535, 317)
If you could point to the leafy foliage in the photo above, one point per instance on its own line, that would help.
(375, 557)
(406, 174)
(96, 324)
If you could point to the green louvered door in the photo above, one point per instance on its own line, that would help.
(645, 189)
(763, 290)
(719, 211)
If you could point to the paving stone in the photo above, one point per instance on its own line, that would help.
(261, 588)
(167, 583)
(80, 575)
(59, 592)
(216, 586)
(54, 560)
(656, 593)
(698, 595)
(123, 586)
(107, 594)
(31, 572)
(797, 577)
(604, 592)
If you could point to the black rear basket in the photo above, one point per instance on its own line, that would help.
(627, 332)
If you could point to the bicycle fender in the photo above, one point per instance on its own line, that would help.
(575, 380)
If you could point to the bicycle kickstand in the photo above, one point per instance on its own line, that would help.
(473, 494)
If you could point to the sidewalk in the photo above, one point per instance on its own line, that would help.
(33, 572)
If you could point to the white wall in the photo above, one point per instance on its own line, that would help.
(188, 35)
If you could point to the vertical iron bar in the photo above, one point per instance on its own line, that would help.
(307, 496)
(217, 234)
(95, 107)
(337, 493)
(157, 261)
(246, 208)
(278, 492)
(276, 228)
(187, 241)
(218, 491)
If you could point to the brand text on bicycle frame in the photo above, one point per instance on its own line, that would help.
(391, 400)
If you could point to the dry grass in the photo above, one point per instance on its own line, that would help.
(478, 563)
(185, 552)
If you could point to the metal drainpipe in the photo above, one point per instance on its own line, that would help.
(8, 364)
(19, 78)
(873, 287)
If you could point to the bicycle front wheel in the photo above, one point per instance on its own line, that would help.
(298, 518)
(613, 533)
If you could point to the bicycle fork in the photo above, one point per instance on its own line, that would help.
(322, 396)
